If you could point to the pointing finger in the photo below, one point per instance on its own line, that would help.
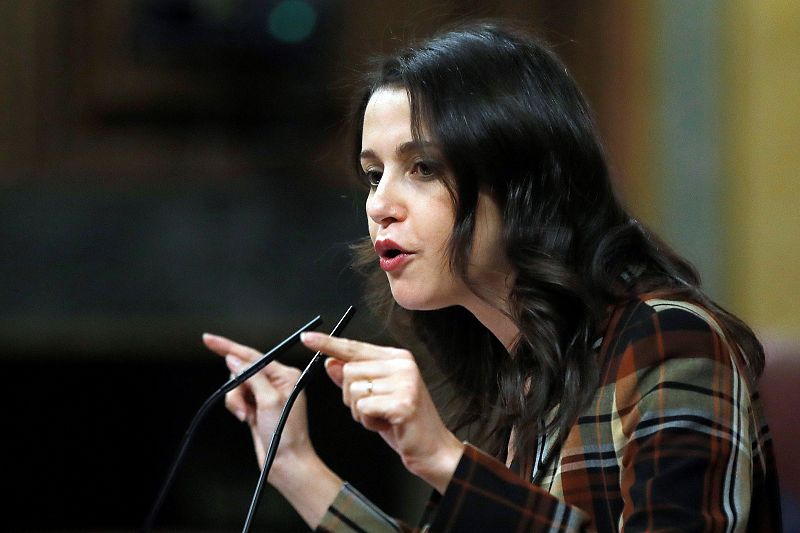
(224, 346)
(347, 349)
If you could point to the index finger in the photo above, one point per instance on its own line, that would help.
(346, 349)
(224, 346)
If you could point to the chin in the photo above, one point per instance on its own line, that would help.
(416, 301)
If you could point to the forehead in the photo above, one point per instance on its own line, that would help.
(387, 109)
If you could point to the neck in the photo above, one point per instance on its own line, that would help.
(494, 314)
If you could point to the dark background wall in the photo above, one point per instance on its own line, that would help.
(169, 167)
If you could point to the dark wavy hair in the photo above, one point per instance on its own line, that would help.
(510, 120)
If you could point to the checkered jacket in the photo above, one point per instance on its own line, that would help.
(674, 440)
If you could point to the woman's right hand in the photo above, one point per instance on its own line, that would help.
(259, 402)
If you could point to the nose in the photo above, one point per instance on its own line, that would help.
(386, 203)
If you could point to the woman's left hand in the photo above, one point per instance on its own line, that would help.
(385, 392)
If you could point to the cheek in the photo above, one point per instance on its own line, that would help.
(440, 237)
(441, 227)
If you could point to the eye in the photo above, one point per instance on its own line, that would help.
(373, 177)
(424, 169)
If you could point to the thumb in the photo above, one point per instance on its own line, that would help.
(334, 369)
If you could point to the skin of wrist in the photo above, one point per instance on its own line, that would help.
(290, 468)
(439, 470)
(307, 484)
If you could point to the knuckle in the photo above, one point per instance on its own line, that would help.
(405, 405)
(401, 353)
(406, 365)
(347, 371)
(409, 387)
(348, 346)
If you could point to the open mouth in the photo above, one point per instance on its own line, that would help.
(389, 249)
(392, 256)
(394, 252)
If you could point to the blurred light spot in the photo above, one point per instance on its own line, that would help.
(292, 21)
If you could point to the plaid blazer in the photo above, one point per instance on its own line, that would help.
(674, 439)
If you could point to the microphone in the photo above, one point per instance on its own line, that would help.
(302, 381)
(231, 384)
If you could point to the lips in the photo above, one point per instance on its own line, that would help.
(392, 255)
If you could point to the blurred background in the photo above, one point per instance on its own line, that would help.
(169, 167)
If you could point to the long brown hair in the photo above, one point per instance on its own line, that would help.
(510, 120)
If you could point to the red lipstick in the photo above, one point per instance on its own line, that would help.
(392, 255)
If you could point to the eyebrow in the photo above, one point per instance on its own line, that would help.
(403, 149)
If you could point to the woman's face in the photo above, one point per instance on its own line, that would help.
(410, 213)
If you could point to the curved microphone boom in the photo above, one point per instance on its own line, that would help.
(302, 381)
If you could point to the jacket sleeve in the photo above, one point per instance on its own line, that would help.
(351, 512)
(484, 495)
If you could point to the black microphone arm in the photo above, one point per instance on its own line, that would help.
(232, 383)
(302, 381)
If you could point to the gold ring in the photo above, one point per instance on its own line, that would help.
(369, 387)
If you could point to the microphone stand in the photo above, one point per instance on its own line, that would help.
(201, 413)
(302, 381)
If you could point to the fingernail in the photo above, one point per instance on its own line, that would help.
(328, 362)
(209, 336)
(240, 415)
(233, 361)
(309, 336)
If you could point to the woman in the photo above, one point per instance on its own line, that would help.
(609, 391)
